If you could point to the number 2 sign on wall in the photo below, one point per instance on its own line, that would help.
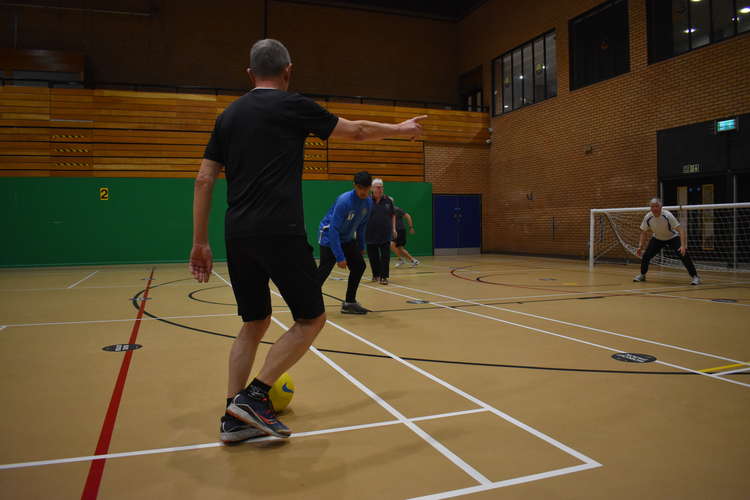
(103, 193)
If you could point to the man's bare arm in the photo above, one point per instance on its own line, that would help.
(363, 130)
(683, 239)
(642, 243)
(201, 259)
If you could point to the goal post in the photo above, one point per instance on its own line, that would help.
(718, 236)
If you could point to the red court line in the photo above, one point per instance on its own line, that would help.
(94, 479)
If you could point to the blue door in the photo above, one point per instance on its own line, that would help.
(458, 223)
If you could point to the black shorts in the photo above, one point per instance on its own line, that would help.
(400, 240)
(288, 261)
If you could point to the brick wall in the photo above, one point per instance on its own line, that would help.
(459, 169)
(540, 176)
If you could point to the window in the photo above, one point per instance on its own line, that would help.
(470, 90)
(678, 26)
(524, 75)
(599, 44)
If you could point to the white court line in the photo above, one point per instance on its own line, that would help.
(477, 401)
(731, 372)
(577, 325)
(442, 449)
(635, 291)
(507, 482)
(589, 462)
(164, 285)
(82, 280)
(559, 335)
(458, 461)
(155, 451)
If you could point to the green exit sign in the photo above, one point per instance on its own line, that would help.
(726, 125)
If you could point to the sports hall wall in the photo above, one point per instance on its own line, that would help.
(540, 176)
(191, 42)
(62, 221)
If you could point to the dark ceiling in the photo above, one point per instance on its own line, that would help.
(452, 10)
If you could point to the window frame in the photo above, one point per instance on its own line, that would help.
(498, 69)
(571, 38)
(650, 30)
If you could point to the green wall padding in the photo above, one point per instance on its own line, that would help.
(61, 221)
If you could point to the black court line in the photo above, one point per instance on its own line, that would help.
(134, 301)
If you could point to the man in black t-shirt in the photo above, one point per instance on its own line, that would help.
(259, 141)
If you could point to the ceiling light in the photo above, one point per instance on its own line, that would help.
(745, 10)
(690, 30)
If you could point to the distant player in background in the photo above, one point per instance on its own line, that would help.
(666, 232)
(342, 239)
(399, 245)
(381, 230)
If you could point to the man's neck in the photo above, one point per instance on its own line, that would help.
(269, 84)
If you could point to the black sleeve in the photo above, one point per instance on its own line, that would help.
(312, 117)
(213, 148)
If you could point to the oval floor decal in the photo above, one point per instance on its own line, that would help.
(631, 357)
(121, 347)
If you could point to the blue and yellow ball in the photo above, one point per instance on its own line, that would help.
(281, 392)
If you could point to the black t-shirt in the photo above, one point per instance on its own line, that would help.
(380, 225)
(399, 219)
(260, 140)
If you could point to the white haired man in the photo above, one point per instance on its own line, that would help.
(381, 229)
(666, 232)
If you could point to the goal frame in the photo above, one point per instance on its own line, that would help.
(596, 211)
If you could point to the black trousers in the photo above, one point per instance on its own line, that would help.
(354, 261)
(380, 259)
(655, 246)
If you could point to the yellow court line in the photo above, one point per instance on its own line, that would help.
(717, 368)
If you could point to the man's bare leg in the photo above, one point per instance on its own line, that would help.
(290, 348)
(405, 254)
(243, 351)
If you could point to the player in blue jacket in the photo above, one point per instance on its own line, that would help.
(342, 238)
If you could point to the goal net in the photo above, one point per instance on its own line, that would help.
(718, 236)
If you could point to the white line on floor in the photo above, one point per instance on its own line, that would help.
(154, 451)
(82, 280)
(559, 335)
(507, 482)
(577, 325)
(459, 462)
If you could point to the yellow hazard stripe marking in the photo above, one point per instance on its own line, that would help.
(719, 368)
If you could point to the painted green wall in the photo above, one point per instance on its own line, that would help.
(61, 221)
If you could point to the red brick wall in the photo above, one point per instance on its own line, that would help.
(538, 165)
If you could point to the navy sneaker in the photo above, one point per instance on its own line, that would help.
(353, 308)
(254, 408)
(233, 430)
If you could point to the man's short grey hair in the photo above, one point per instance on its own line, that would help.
(269, 58)
(655, 200)
(377, 182)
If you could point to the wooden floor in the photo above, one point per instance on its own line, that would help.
(501, 385)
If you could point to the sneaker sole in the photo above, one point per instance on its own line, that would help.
(352, 312)
(243, 435)
(253, 420)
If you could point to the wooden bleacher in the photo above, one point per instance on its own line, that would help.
(115, 133)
